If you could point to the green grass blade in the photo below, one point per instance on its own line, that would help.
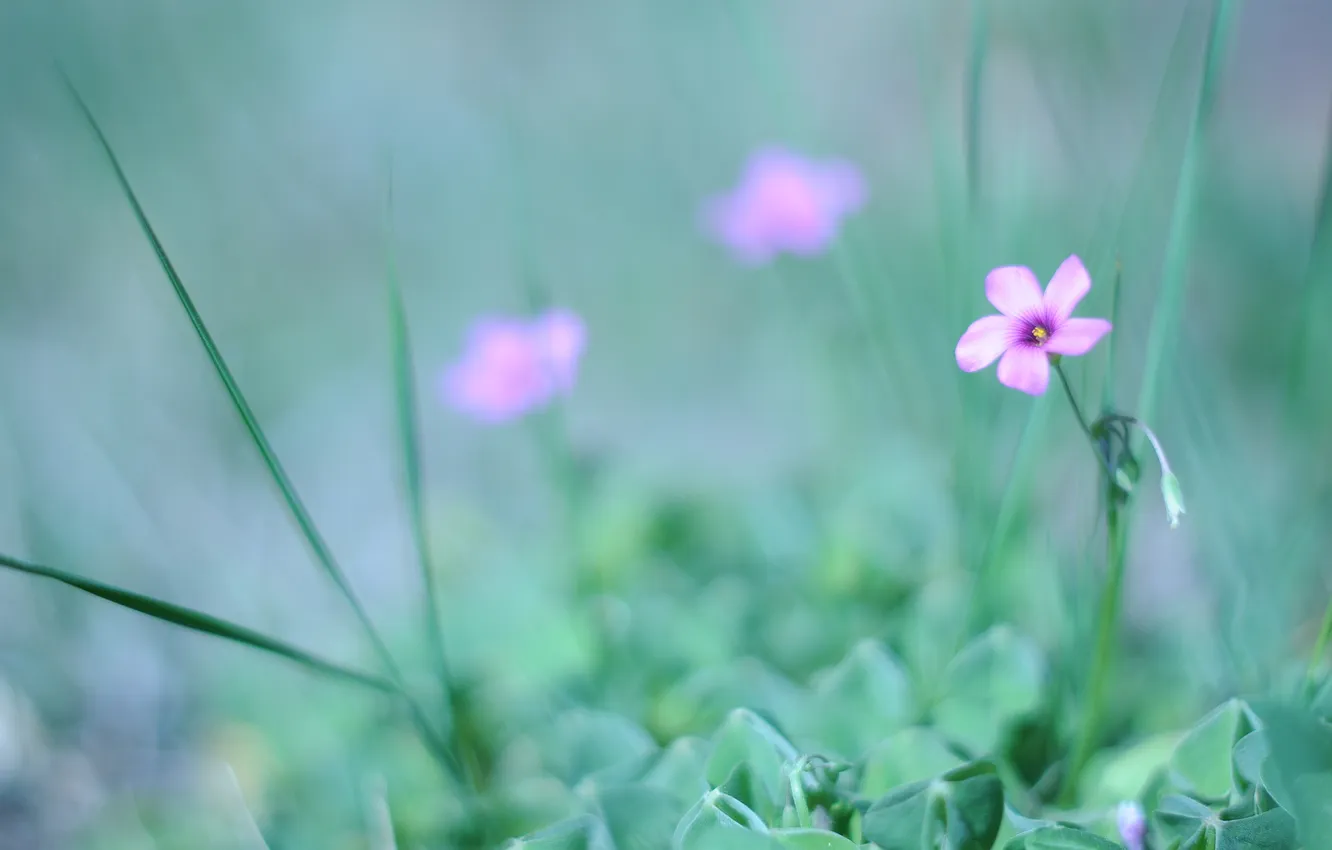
(1316, 276)
(298, 510)
(1170, 298)
(323, 554)
(976, 58)
(409, 436)
(198, 621)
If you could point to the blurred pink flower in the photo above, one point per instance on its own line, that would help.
(1033, 325)
(1132, 823)
(784, 203)
(514, 365)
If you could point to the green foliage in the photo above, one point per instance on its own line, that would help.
(1055, 837)
(818, 662)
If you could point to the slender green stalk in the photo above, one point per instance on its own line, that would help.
(1108, 386)
(318, 546)
(1319, 648)
(1107, 631)
(197, 621)
(1318, 271)
(409, 435)
(1174, 278)
(976, 58)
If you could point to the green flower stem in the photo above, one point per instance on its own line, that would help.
(1082, 420)
(1107, 632)
(1116, 533)
(1319, 648)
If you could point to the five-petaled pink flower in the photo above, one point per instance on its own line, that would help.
(1033, 325)
(514, 365)
(784, 203)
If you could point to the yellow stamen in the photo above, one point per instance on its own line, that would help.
(1039, 334)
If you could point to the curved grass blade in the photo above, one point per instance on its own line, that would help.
(198, 621)
(323, 554)
(312, 535)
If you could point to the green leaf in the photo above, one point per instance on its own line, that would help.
(681, 768)
(587, 743)
(1298, 771)
(911, 755)
(1055, 837)
(812, 839)
(1248, 756)
(862, 700)
(1203, 762)
(708, 825)
(198, 621)
(996, 679)
(1126, 774)
(965, 806)
(579, 833)
(748, 742)
(640, 817)
(1196, 827)
(1273, 830)
(905, 818)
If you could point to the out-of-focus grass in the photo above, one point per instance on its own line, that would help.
(767, 496)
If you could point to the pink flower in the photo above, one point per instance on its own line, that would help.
(784, 203)
(1132, 823)
(514, 365)
(1033, 325)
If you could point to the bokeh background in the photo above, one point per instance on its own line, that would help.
(788, 459)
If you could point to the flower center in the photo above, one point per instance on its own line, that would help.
(1039, 335)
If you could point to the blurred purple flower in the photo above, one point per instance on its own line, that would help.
(1032, 327)
(784, 203)
(514, 365)
(1132, 823)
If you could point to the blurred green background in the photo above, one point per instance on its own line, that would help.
(788, 458)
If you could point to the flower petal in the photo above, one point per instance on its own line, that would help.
(1070, 284)
(1077, 336)
(1025, 368)
(1014, 290)
(983, 342)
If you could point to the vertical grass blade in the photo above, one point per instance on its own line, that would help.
(318, 546)
(197, 621)
(1316, 276)
(1174, 278)
(976, 58)
(409, 438)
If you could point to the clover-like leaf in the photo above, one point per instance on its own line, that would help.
(963, 807)
(1190, 825)
(748, 746)
(579, 833)
(993, 681)
(1203, 762)
(862, 700)
(911, 755)
(584, 743)
(640, 817)
(1298, 770)
(812, 839)
(1060, 837)
(719, 822)
(681, 768)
